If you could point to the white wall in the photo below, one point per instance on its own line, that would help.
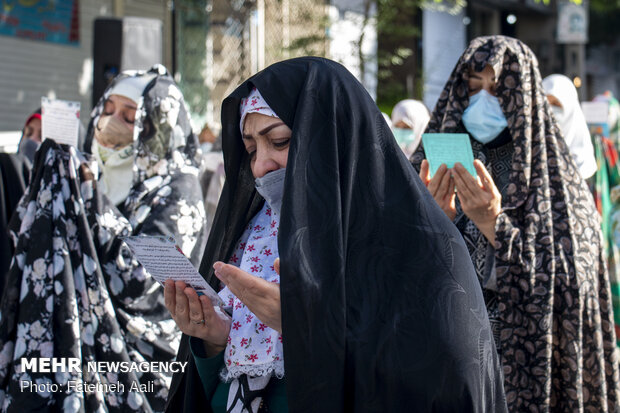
(30, 69)
(444, 40)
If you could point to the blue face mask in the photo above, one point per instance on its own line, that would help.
(28, 148)
(484, 118)
(403, 136)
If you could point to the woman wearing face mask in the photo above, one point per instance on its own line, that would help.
(409, 119)
(532, 231)
(562, 97)
(74, 289)
(31, 136)
(347, 319)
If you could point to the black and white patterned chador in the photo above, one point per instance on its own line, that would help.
(74, 289)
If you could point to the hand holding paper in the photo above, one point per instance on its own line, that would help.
(163, 259)
(196, 316)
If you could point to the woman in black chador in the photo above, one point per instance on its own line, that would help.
(377, 305)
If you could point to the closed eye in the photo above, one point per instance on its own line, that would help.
(251, 150)
(281, 143)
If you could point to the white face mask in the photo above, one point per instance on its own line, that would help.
(558, 112)
(206, 147)
(271, 187)
(484, 118)
(117, 170)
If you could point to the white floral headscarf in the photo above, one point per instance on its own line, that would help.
(254, 103)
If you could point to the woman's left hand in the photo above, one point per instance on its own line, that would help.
(260, 296)
(479, 198)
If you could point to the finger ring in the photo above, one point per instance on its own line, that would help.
(199, 322)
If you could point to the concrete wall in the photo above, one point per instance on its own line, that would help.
(444, 40)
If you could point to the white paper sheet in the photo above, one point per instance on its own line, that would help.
(163, 259)
(595, 112)
(60, 121)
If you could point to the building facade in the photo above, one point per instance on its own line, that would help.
(209, 45)
(448, 29)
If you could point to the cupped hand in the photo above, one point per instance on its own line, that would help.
(480, 199)
(196, 316)
(260, 296)
(441, 187)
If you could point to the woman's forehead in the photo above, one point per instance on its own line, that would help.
(259, 121)
(122, 100)
(486, 71)
(34, 122)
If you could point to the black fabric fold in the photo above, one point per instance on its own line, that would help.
(14, 176)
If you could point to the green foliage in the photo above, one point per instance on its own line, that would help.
(605, 6)
(392, 15)
(398, 31)
(447, 6)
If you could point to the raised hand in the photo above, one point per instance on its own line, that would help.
(441, 187)
(480, 199)
(260, 296)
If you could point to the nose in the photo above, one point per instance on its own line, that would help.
(119, 116)
(489, 86)
(263, 163)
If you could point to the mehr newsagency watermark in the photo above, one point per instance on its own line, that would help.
(74, 365)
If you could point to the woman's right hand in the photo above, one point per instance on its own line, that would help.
(196, 316)
(441, 187)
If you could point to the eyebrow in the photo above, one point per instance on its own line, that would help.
(264, 131)
(270, 127)
(123, 104)
(475, 76)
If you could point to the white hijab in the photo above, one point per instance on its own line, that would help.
(415, 115)
(572, 123)
(117, 164)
